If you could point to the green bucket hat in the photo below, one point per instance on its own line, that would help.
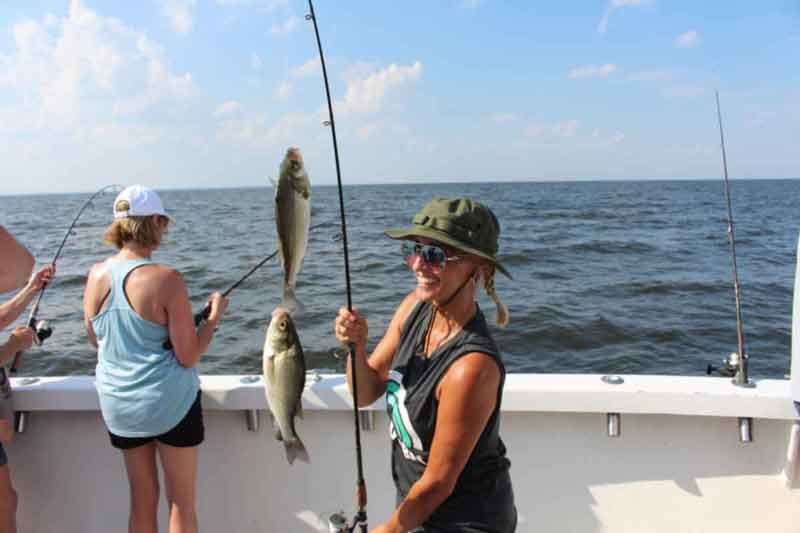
(461, 223)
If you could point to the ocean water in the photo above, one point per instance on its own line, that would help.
(623, 277)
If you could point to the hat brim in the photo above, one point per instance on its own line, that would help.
(444, 238)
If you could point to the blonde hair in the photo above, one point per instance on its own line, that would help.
(144, 230)
(502, 316)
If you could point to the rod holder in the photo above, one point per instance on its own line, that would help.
(745, 429)
(20, 421)
(367, 420)
(613, 424)
(252, 420)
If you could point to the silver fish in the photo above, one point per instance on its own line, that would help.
(292, 218)
(285, 378)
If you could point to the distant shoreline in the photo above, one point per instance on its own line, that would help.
(419, 181)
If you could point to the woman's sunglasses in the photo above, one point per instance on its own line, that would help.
(434, 256)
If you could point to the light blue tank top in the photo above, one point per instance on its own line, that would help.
(143, 389)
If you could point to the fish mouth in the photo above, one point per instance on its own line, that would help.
(293, 154)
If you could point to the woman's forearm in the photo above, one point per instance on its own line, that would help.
(422, 500)
(10, 310)
(370, 385)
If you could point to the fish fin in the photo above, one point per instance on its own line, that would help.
(298, 411)
(296, 450)
(290, 302)
(273, 182)
(277, 431)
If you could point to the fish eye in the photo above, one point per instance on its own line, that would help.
(282, 325)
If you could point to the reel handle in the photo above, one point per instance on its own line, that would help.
(199, 318)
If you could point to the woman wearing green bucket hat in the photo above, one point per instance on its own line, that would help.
(443, 377)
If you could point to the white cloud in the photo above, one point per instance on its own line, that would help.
(287, 27)
(227, 108)
(613, 6)
(256, 62)
(366, 95)
(652, 75)
(283, 90)
(688, 39)
(567, 128)
(180, 13)
(617, 138)
(590, 71)
(82, 69)
(309, 68)
(504, 118)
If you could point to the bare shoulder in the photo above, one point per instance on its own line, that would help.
(96, 272)
(475, 369)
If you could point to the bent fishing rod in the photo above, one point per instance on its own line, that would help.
(741, 378)
(360, 519)
(42, 327)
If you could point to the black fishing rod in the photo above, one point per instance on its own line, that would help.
(360, 519)
(741, 377)
(42, 327)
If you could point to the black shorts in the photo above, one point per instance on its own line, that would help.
(189, 432)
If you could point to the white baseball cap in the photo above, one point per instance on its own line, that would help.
(142, 202)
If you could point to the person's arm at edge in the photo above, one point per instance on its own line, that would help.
(17, 263)
(468, 395)
(374, 371)
(10, 310)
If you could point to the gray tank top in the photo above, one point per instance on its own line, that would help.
(483, 500)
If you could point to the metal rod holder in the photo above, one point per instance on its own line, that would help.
(613, 424)
(252, 420)
(20, 421)
(367, 420)
(745, 429)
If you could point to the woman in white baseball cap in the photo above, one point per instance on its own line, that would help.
(149, 394)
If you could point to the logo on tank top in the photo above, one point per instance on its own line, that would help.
(401, 429)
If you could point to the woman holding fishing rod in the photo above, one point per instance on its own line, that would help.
(443, 377)
(15, 268)
(149, 393)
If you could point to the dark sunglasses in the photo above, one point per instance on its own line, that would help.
(433, 255)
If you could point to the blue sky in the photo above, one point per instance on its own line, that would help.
(210, 93)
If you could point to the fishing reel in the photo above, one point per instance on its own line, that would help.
(337, 523)
(728, 368)
(42, 328)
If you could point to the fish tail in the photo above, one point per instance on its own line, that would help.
(296, 450)
(289, 301)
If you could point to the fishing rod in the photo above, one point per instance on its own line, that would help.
(741, 377)
(360, 519)
(42, 327)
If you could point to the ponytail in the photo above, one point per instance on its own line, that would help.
(501, 318)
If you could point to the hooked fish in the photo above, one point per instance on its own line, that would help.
(292, 218)
(285, 378)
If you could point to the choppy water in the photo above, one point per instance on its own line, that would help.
(628, 277)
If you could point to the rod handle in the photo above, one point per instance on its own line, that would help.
(199, 318)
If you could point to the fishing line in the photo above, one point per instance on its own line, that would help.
(741, 377)
(42, 327)
(360, 520)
